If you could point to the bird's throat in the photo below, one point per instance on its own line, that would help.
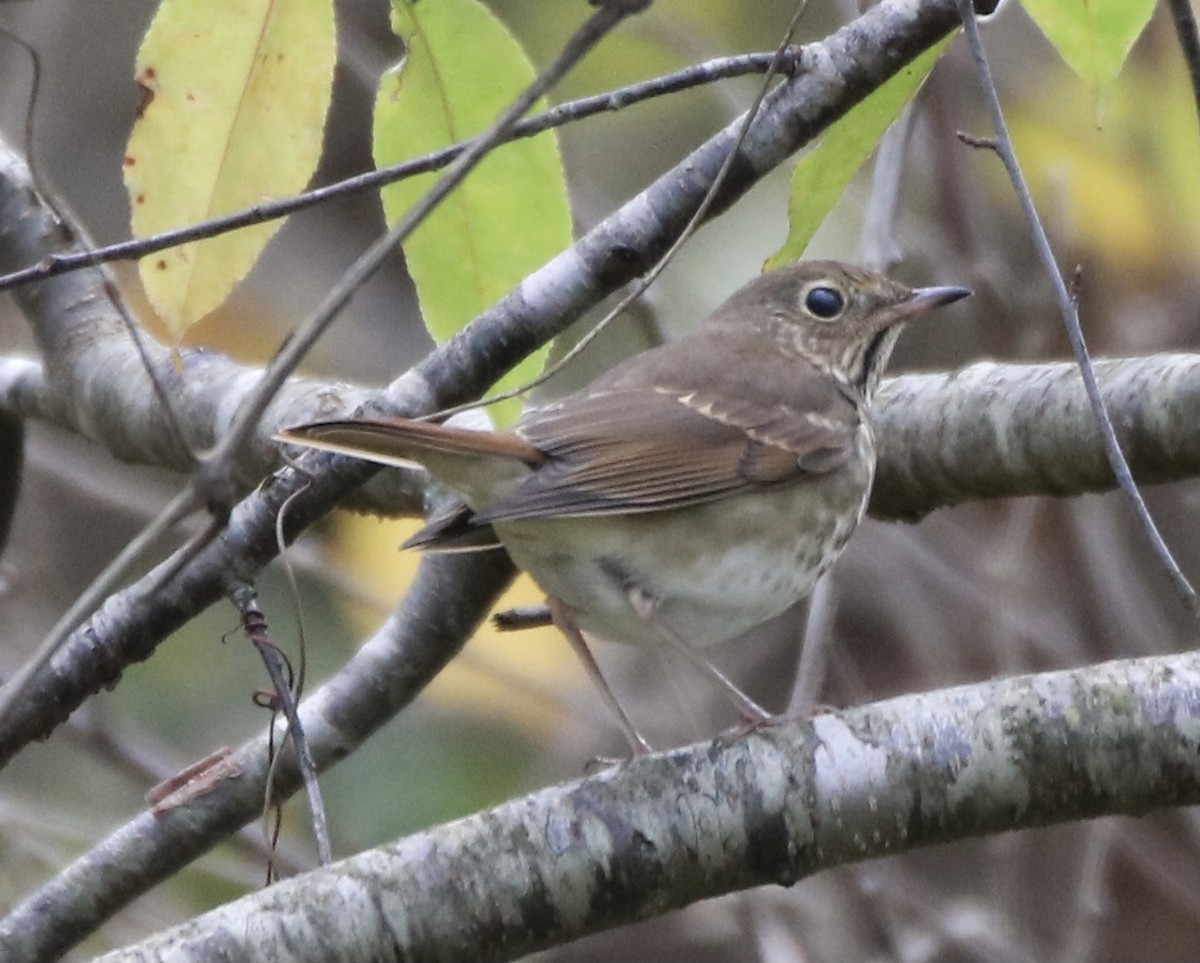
(874, 359)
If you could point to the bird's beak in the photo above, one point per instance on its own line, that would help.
(923, 300)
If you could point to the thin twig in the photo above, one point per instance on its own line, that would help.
(254, 624)
(982, 143)
(293, 585)
(711, 71)
(1066, 306)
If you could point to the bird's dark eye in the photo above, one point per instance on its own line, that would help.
(824, 302)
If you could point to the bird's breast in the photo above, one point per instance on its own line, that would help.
(714, 570)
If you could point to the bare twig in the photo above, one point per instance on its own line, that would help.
(284, 699)
(523, 617)
(1112, 448)
(710, 71)
(983, 143)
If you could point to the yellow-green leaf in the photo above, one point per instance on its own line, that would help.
(1093, 36)
(1126, 193)
(462, 69)
(823, 173)
(234, 96)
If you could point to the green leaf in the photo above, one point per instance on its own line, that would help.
(511, 214)
(234, 97)
(823, 173)
(1093, 36)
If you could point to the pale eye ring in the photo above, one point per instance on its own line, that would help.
(824, 302)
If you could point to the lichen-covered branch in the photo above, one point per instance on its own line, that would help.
(990, 430)
(781, 804)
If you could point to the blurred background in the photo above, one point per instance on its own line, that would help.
(970, 593)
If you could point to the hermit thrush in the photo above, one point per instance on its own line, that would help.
(695, 490)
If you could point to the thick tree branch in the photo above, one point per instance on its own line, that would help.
(990, 430)
(780, 805)
(1004, 430)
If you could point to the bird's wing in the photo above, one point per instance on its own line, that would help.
(642, 449)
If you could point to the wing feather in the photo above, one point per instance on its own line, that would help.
(640, 449)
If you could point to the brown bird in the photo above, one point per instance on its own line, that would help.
(694, 491)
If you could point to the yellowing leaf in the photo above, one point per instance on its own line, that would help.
(234, 96)
(511, 214)
(822, 174)
(1093, 36)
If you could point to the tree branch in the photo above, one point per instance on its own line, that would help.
(990, 430)
(1004, 430)
(449, 598)
(782, 804)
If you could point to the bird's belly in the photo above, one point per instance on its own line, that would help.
(775, 545)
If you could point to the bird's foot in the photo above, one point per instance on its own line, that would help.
(749, 724)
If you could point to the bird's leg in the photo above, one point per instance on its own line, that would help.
(564, 618)
(645, 606)
(523, 617)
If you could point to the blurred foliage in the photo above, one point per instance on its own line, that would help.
(1126, 188)
(1093, 36)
